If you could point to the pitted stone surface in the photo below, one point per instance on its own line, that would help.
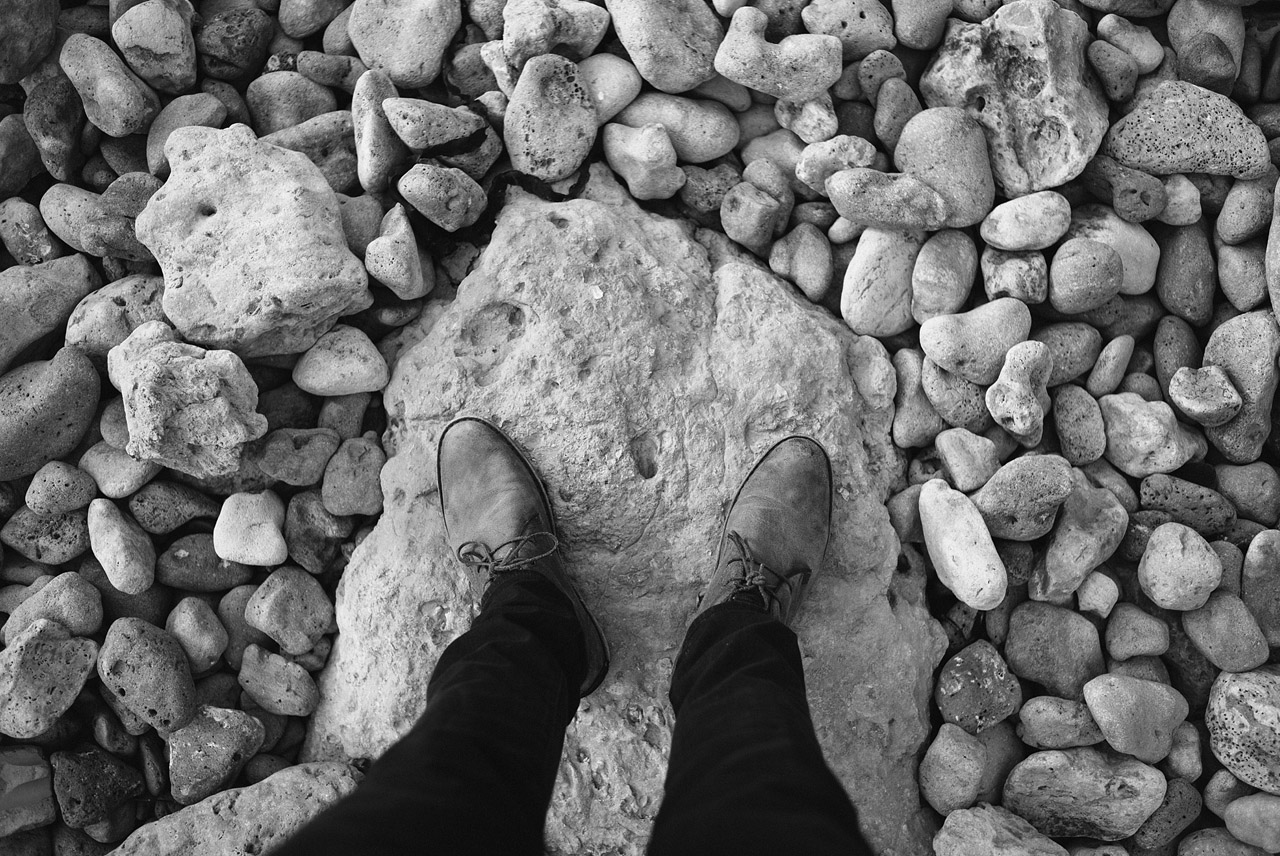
(250, 241)
(642, 394)
(1021, 74)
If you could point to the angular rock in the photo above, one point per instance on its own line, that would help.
(187, 408)
(250, 240)
(208, 752)
(1084, 792)
(90, 783)
(254, 819)
(989, 830)
(41, 672)
(496, 344)
(1022, 75)
(1144, 437)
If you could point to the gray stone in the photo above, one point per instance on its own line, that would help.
(1241, 715)
(45, 408)
(1084, 792)
(989, 830)
(1022, 75)
(254, 819)
(187, 408)
(41, 672)
(496, 347)
(207, 753)
(237, 213)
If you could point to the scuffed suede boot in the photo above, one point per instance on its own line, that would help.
(776, 532)
(498, 519)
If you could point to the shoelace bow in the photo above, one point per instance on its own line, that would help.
(481, 557)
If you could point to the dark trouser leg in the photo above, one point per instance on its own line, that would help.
(746, 774)
(474, 775)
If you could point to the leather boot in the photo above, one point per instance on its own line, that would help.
(498, 519)
(775, 534)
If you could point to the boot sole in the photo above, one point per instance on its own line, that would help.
(724, 528)
(597, 655)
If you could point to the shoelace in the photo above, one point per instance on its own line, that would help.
(753, 579)
(484, 559)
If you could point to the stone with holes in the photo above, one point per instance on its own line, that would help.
(207, 753)
(250, 241)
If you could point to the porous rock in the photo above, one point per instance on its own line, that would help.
(187, 408)
(254, 819)
(250, 241)
(1022, 75)
(1242, 714)
(1180, 127)
(670, 388)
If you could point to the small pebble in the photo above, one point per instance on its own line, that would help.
(248, 529)
(195, 627)
(951, 770)
(1178, 569)
(341, 362)
(121, 546)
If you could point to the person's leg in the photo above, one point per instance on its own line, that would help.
(746, 773)
(475, 773)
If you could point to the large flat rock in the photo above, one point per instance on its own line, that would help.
(644, 368)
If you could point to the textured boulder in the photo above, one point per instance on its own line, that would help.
(1181, 127)
(642, 394)
(1022, 75)
(1243, 717)
(187, 408)
(255, 819)
(250, 241)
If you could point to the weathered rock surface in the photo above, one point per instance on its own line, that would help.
(1243, 717)
(250, 241)
(642, 394)
(255, 819)
(1084, 792)
(187, 408)
(1022, 75)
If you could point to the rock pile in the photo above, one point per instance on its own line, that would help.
(1048, 231)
